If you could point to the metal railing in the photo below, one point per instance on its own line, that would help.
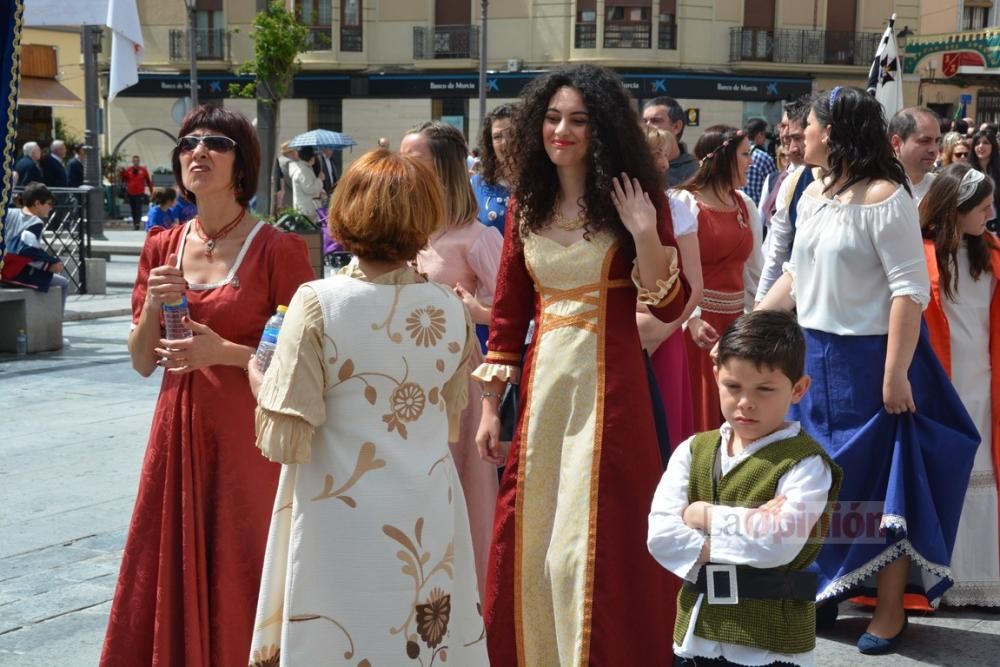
(351, 38)
(210, 44)
(810, 47)
(67, 233)
(319, 38)
(445, 41)
(667, 36)
(586, 36)
(628, 35)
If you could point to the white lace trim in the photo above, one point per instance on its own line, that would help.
(894, 522)
(891, 553)
(973, 593)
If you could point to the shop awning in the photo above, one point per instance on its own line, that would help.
(36, 92)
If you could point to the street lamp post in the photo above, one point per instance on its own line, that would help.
(193, 50)
(482, 61)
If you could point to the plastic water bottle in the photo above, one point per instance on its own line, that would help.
(269, 339)
(173, 319)
(21, 343)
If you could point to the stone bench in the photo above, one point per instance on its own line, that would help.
(38, 313)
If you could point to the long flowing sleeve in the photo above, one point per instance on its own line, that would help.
(290, 403)
(779, 238)
(513, 309)
(673, 544)
(456, 390)
(667, 303)
(754, 264)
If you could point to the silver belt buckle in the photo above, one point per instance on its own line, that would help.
(730, 570)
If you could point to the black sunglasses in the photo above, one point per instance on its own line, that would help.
(213, 142)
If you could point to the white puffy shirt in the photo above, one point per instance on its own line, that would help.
(850, 260)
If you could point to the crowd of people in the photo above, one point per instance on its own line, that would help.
(722, 364)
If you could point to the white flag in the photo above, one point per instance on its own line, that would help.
(122, 16)
(885, 79)
(126, 45)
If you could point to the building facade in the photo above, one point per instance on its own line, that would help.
(956, 58)
(378, 67)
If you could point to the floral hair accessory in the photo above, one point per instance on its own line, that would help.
(721, 147)
(967, 187)
(833, 95)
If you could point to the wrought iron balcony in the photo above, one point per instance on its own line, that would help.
(445, 41)
(586, 36)
(351, 38)
(628, 35)
(319, 37)
(807, 47)
(209, 45)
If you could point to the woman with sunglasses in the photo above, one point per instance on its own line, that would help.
(729, 238)
(187, 590)
(860, 283)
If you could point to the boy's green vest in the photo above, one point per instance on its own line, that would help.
(781, 626)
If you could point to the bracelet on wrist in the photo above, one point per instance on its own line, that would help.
(491, 394)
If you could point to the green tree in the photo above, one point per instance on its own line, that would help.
(278, 40)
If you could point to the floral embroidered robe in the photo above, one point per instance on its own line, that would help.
(369, 558)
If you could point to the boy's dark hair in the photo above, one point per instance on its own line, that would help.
(35, 193)
(769, 338)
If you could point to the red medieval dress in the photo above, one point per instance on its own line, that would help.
(726, 244)
(570, 580)
(187, 589)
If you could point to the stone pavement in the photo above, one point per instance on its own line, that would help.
(69, 473)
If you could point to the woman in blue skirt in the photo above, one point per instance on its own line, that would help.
(880, 402)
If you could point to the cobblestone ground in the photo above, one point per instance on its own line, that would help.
(75, 429)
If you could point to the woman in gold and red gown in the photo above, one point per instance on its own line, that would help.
(570, 581)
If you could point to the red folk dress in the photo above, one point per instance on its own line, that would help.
(187, 589)
(725, 247)
(570, 580)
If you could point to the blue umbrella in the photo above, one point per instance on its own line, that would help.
(322, 139)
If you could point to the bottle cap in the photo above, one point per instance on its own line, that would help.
(179, 302)
(282, 309)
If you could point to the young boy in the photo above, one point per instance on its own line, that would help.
(740, 512)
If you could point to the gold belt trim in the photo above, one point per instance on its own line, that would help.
(724, 303)
(589, 295)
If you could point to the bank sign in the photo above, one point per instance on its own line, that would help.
(642, 85)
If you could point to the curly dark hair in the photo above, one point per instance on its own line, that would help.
(939, 211)
(491, 168)
(859, 145)
(617, 144)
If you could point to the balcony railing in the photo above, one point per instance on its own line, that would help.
(351, 38)
(445, 41)
(209, 45)
(667, 39)
(319, 38)
(808, 47)
(586, 36)
(628, 35)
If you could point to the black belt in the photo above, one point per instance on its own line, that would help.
(725, 584)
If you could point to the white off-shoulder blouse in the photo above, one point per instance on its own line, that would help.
(850, 260)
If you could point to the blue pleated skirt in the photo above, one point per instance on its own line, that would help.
(905, 476)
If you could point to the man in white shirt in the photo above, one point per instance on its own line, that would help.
(915, 134)
(791, 133)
